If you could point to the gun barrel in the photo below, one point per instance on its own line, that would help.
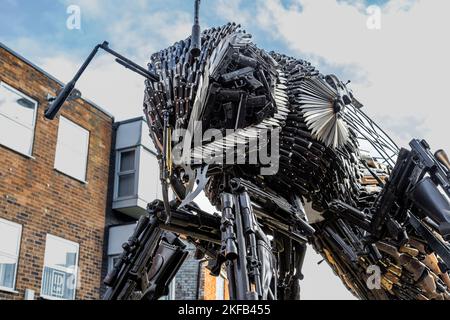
(434, 204)
(64, 94)
(196, 41)
(56, 105)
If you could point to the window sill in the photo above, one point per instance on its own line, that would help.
(8, 290)
(69, 176)
(44, 297)
(30, 157)
(133, 197)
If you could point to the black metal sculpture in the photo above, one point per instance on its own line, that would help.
(383, 221)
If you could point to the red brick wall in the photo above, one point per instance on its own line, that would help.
(44, 201)
(208, 286)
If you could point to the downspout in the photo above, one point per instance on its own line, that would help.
(199, 275)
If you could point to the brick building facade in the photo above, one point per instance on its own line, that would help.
(58, 214)
(66, 201)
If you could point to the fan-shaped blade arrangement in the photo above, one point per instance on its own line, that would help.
(322, 112)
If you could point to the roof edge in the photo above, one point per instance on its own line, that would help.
(131, 120)
(48, 75)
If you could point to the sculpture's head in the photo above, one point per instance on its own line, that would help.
(231, 93)
(231, 85)
(228, 104)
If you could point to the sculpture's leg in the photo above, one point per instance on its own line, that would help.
(291, 256)
(298, 260)
(154, 253)
(261, 261)
(232, 239)
(245, 247)
(139, 248)
(246, 260)
(249, 227)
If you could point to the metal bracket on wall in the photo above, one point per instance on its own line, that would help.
(75, 94)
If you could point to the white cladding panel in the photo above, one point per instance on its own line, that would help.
(149, 186)
(118, 236)
(129, 135)
(146, 140)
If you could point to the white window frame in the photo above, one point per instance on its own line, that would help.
(220, 278)
(49, 236)
(118, 174)
(172, 287)
(19, 241)
(111, 262)
(33, 128)
(84, 179)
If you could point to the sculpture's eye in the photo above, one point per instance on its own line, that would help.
(347, 100)
(338, 105)
(331, 81)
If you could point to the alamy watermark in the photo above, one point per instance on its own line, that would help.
(374, 280)
(230, 147)
(374, 17)
(73, 21)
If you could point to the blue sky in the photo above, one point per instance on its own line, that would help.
(44, 22)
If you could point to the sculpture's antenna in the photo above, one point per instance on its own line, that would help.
(196, 41)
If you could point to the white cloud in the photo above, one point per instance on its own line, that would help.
(105, 82)
(231, 10)
(405, 63)
(145, 34)
(133, 31)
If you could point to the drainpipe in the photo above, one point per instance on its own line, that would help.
(199, 274)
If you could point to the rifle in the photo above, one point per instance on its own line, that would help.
(154, 253)
(417, 192)
(428, 175)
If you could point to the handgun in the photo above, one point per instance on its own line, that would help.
(245, 74)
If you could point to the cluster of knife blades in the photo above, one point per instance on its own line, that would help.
(232, 85)
(182, 81)
(321, 108)
(245, 97)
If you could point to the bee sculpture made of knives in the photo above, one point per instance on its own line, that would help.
(381, 219)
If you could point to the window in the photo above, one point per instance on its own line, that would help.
(112, 261)
(59, 279)
(220, 288)
(126, 174)
(171, 294)
(17, 120)
(72, 149)
(10, 235)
